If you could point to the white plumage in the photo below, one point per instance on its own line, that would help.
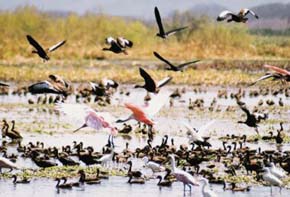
(6, 163)
(270, 178)
(182, 176)
(155, 167)
(88, 116)
(276, 171)
(206, 192)
(224, 15)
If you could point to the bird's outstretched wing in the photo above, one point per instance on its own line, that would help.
(43, 87)
(74, 111)
(56, 46)
(245, 109)
(35, 44)
(246, 11)
(267, 76)
(181, 66)
(156, 103)
(159, 22)
(163, 82)
(124, 42)
(3, 84)
(173, 31)
(164, 60)
(206, 126)
(147, 78)
(278, 70)
(192, 135)
(224, 15)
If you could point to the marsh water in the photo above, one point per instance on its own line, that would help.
(41, 123)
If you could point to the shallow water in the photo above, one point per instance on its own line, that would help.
(118, 186)
(56, 131)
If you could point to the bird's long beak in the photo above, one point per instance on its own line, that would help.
(84, 125)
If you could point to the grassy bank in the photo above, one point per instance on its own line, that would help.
(85, 38)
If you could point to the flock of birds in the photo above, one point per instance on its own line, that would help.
(153, 157)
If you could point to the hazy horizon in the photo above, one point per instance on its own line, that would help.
(140, 8)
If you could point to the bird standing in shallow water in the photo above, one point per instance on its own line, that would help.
(182, 176)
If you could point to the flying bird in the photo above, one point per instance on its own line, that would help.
(90, 117)
(150, 85)
(162, 33)
(252, 118)
(3, 84)
(240, 17)
(145, 114)
(118, 45)
(40, 51)
(278, 74)
(55, 85)
(172, 67)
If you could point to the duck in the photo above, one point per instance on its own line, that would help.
(252, 118)
(40, 51)
(89, 181)
(137, 174)
(136, 180)
(63, 185)
(119, 45)
(162, 33)
(165, 183)
(172, 67)
(240, 17)
(150, 85)
(23, 181)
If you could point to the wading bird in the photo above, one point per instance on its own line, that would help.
(40, 51)
(162, 33)
(172, 67)
(182, 176)
(271, 179)
(278, 74)
(240, 17)
(6, 163)
(206, 192)
(91, 118)
(150, 85)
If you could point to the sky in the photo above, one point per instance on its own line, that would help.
(135, 8)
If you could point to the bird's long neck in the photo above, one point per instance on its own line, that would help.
(14, 179)
(204, 185)
(173, 164)
(13, 124)
(160, 178)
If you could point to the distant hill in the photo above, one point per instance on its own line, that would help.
(273, 10)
